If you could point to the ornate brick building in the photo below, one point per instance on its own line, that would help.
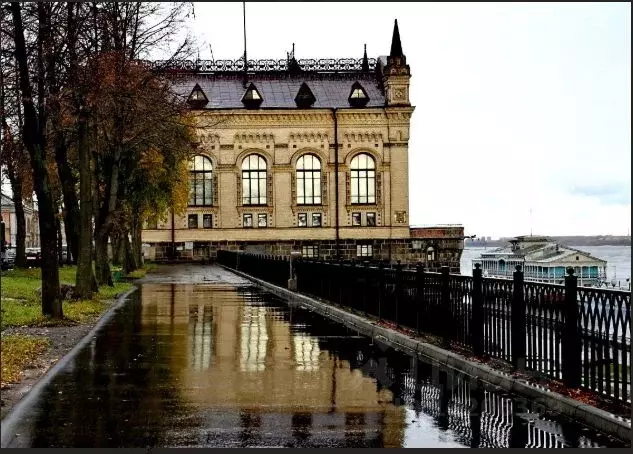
(308, 155)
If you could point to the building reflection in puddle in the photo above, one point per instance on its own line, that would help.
(234, 352)
(267, 375)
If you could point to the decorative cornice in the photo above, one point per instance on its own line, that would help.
(254, 138)
(363, 137)
(310, 65)
(310, 138)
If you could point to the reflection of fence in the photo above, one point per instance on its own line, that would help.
(478, 417)
(580, 335)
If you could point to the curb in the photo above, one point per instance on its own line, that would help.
(573, 409)
(11, 420)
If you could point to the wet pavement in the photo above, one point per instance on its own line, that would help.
(200, 358)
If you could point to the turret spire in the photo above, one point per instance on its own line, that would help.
(365, 64)
(396, 45)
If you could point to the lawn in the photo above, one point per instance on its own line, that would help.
(21, 304)
(17, 353)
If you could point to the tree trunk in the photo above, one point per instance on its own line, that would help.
(130, 263)
(86, 281)
(20, 234)
(102, 265)
(118, 252)
(35, 143)
(60, 252)
(137, 244)
(71, 205)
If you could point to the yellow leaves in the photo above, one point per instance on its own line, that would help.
(17, 353)
(180, 192)
(151, 161)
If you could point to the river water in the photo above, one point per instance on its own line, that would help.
(199, 358)
(618, 259)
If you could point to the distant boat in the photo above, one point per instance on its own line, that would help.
(543, 260)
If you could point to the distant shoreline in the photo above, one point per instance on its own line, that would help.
(563, 240)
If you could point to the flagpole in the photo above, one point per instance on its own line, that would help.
(245, 60)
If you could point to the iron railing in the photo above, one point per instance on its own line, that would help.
(322, 65)
(575, 334)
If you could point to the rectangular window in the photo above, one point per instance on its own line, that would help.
(316, 219)
(193, 221)
(262, 220)
(416, 244)
(355, 219)
(310, 251)
(364, 250)
(247, 221)
(302, 220)
(207, 221)
(371, 219)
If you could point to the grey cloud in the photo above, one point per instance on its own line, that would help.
(608, 192)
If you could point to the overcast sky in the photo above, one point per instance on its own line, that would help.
(518, 106)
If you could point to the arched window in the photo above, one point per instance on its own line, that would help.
(430, 254)
(200, 181)
(308, 180)
(363, 175)
(254, 180)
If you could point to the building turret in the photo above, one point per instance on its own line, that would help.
(396, 73)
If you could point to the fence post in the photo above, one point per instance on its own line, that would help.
(517, 315)
(398, 291)
(477, 327)
(445, 307)
(572, 346)
(366, 288)
(419, 294)
(381, 285)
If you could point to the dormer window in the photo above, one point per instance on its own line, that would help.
(252, 98)
(197, 98)
(358, 96)
(305, 98)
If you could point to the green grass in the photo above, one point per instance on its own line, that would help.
(21, 305)
(17, 353)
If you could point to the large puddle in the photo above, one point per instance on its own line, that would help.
(213, 365)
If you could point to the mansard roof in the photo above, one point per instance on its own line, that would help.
(330, 81)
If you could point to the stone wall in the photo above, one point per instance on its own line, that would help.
(448, 251)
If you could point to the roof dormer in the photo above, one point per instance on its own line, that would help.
(197, 99)
(358, 96)
(305, 98)
(252, 97)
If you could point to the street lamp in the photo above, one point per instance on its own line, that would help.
(292, 281)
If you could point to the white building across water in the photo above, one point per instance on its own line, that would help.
(542, 260)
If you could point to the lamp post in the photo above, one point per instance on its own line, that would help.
(292, 281)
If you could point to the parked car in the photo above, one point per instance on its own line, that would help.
(33, 256)
(8, 258)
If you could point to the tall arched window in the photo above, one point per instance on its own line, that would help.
(254, 180)
(200, 181)
(363, 175)
(308, 180)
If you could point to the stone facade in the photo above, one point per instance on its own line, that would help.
(374, 227)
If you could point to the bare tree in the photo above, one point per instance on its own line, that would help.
(35, 141)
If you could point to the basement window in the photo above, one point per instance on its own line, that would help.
(364, 250)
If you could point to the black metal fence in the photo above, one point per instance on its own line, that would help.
(578, 335)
